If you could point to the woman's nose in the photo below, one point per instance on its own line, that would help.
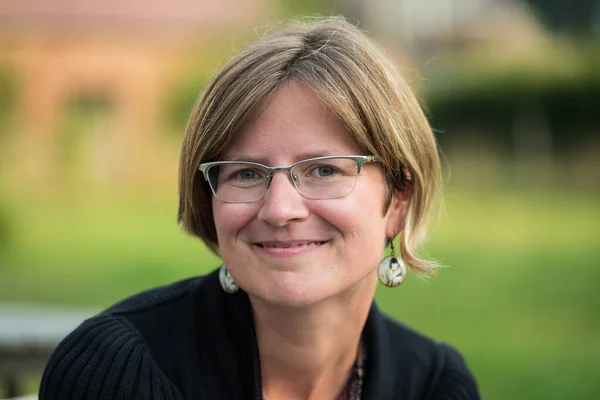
(282, 202)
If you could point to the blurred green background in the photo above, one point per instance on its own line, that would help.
(92, 121)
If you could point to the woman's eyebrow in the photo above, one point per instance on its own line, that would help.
(242, 158)
(296, 158)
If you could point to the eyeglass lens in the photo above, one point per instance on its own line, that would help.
(314, 179)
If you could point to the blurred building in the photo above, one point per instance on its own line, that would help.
(424, 28)
(91, 77)
(112, 59)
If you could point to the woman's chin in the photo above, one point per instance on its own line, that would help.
(294, 294)
(298, 293)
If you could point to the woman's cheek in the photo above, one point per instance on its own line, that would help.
(232, 217)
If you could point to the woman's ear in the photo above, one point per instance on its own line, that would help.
(396, 215)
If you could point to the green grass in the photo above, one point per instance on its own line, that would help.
(519, 297)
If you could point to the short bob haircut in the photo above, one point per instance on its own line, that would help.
(355, 81)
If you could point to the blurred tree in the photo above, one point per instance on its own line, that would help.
(182, 98)
(522, 111)
(579, 17)
(4, 228)
(8, 94)
(83, 110)
(308, 7)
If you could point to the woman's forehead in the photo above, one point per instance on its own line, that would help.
(295, 125)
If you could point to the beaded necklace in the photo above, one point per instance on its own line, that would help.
(353, 390)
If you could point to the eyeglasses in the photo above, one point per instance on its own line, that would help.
(316, 178)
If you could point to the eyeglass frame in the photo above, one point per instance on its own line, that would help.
(360, 160)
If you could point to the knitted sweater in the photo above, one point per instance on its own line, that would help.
(190, 340)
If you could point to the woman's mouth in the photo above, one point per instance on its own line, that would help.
(287, 245)
(289, 248)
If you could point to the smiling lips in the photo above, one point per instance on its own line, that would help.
(287, 245)
(288, 249)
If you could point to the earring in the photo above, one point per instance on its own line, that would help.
(226, 280)
(392, 269)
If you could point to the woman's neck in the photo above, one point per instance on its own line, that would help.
(309, 352)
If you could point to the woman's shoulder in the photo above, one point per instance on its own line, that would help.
(156, 297)
(436, 370)
(452, 379)
(104, 358)
(122, 352)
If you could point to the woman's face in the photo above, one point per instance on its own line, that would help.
(289, 250)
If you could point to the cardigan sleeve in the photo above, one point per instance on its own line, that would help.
(104, 358)
(455, 381)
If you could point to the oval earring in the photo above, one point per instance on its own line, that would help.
(392, 269)
(226, 280)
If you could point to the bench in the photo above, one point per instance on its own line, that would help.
(28, 335)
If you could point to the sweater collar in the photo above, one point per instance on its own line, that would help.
(379, 377)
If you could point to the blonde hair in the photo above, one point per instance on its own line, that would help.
(355, 81)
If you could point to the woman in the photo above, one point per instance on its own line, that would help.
(306, 155)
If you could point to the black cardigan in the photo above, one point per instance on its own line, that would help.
(191, 340)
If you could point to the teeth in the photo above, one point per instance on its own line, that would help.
(286, 247)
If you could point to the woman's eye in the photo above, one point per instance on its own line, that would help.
(323, 171)
(247, 174)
